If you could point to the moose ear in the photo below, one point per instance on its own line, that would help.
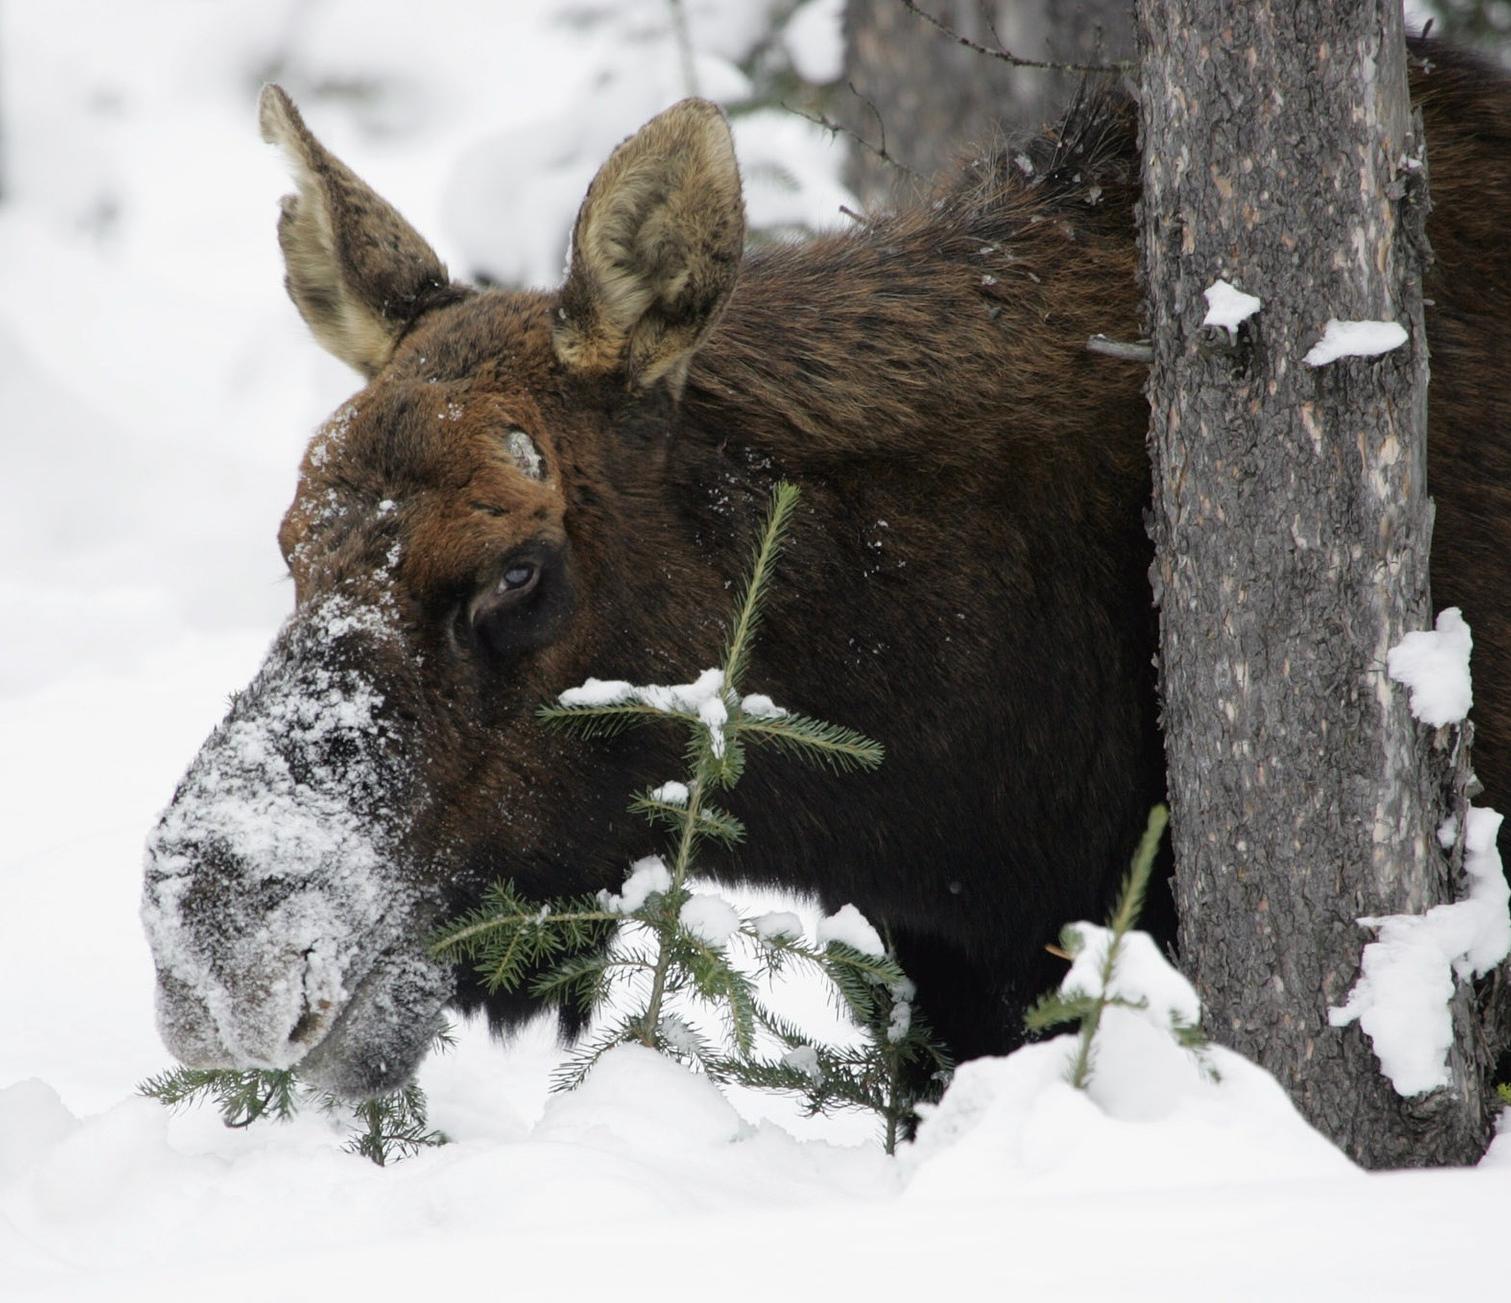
(655, 251)
(358, 272)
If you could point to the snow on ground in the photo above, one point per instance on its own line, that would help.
(156, 390)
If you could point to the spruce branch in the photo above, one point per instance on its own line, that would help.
(607, 720)
(712, 821)
(507, 937)
(747, 621)
(241, 1095)
(840, 749)
(390, 1127)
(394, 1127)
(574, 1071)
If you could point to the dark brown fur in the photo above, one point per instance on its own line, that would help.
(968, 577)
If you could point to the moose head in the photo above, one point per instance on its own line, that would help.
(481, 526)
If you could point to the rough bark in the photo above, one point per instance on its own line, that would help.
(1292, 523)
(935, 97)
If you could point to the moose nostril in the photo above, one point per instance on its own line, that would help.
(309, 1023)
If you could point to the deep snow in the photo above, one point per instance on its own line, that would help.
(156, 390)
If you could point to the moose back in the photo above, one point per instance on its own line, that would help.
(535, 488)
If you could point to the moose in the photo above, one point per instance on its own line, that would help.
(534, 488)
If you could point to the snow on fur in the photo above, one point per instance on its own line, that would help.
(289, 848)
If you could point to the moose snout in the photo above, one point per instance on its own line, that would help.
(269, 1017)
(252, 968)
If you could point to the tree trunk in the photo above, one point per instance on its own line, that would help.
(1291, 522)
(935, 98)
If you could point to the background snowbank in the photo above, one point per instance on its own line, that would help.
(155, 392)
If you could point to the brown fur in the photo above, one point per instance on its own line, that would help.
(968, 577)
(655, 250)
(358, 272)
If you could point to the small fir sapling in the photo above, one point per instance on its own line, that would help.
(898, 1067)
(1076, 1004)
(387, 1128)
(666, 942)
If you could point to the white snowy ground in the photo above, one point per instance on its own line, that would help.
(155, 390)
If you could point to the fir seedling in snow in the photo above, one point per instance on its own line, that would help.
(667, 942)
(897, 1068)
(1098, 979)
(387, 1127)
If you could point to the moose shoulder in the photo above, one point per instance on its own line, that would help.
(533, 488)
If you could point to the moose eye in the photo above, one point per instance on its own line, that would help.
(523, 606)
(517, 577)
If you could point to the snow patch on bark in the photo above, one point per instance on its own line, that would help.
(1228, 307)
(1406, 978)
(1434, 666)
(1401, 1000)
(1355, 339)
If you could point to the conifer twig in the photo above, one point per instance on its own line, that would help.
(1141, 351)
(880, 151)
(1007, 56)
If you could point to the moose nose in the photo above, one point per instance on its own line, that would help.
(264, 1015)
(185, 1024)
(250, 969)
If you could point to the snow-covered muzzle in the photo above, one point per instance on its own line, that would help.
(285, 926)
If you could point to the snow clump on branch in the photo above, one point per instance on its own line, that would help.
(849, 927)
